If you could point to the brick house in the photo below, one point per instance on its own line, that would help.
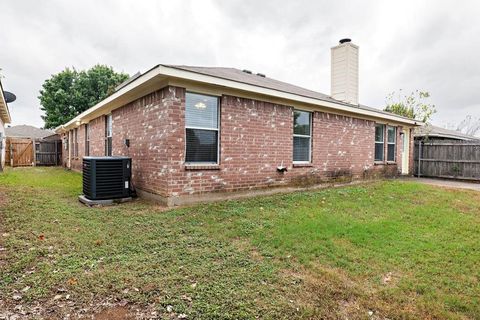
(199, 133)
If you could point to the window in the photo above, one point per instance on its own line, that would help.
(71, 142)
(201, 126)
(87, 140)
(379, 142)
(108, 135)
(391, 142)
(302, 136)
(75, 142)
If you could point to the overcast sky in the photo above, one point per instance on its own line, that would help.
(427, 45)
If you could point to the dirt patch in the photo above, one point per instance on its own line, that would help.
(465, 208)
(97, 310)
(327, 293)
(115, 313)
(3, 197)
(391, 279)
(245, 246)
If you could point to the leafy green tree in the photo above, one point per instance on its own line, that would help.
(414, 106)
(70, 92)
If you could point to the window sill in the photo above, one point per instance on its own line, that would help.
(383, 163)
(302, 165)
(202, 167)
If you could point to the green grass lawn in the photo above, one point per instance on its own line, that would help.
(397, 249)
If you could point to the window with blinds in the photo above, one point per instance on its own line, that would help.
(391, 143)
(379, 142)
(202, 128)
(302, 136)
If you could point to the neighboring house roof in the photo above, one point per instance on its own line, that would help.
(52, 136)
(4, 112)
(230, 78)
(26, 131)
(438, 132)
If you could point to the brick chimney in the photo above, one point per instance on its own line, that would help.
(344, 77)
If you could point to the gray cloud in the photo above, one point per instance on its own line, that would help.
(429, 45)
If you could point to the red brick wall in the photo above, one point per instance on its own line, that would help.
(96, 129)
(97, 143)
(252, 145)
(255, 138)
(149, 124)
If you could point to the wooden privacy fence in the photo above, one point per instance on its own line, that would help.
(452, 159)
(48, 153)
(21, 152)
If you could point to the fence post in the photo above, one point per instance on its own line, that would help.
(34, 151)
(11, 153)
(419, 157)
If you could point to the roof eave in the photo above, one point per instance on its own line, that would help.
(351, 108)
(170, 72)
(4, 111)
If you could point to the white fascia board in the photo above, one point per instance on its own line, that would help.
(165, 71)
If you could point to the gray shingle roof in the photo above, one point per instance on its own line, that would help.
(26, 131)
(434, 131)
(266, 82)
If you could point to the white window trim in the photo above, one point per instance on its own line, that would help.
(304, 136)
(390, 143)
(384, 132)
(203, 128)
